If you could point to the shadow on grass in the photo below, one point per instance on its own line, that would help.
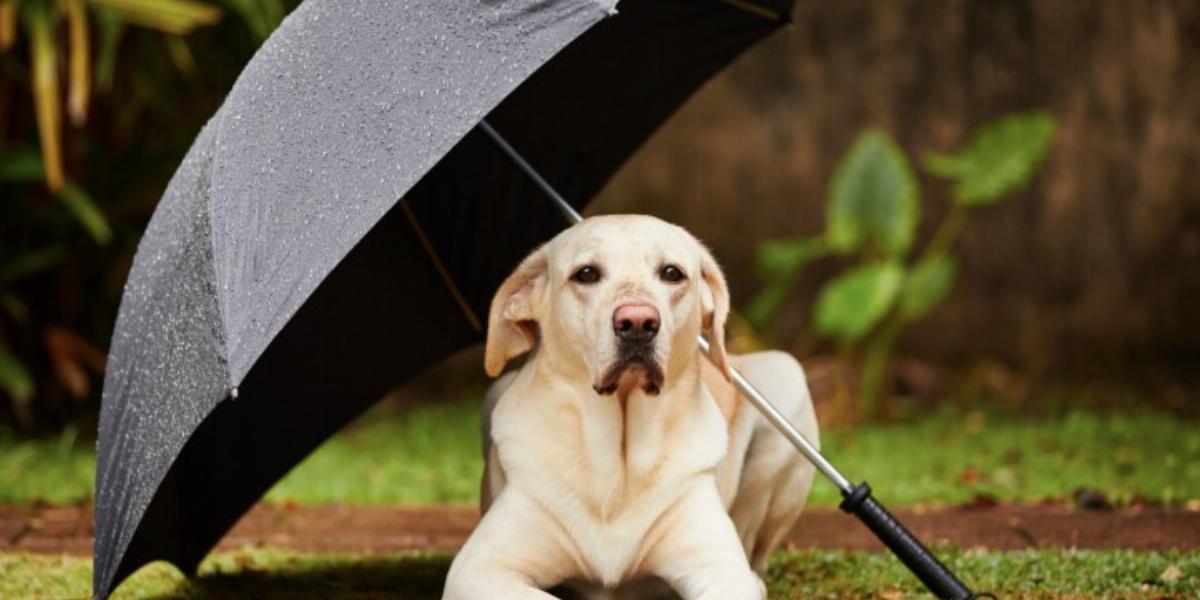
(407, 577)
(1050, 573)
(416, 577)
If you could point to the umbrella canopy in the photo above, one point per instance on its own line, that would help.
(340, 225)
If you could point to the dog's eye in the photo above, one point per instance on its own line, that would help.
(586, 274)
(671, 274)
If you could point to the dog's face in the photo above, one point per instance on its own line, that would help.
(618, 300)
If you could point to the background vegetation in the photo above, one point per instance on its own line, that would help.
(99, 100)
(1088, 276)
(1085, 274)
(873, 211)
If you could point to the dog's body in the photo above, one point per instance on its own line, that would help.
(617, 452)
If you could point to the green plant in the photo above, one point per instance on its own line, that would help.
(101, 98)
(872, 216)
(42, 21)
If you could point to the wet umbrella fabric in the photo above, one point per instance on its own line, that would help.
(339, 226)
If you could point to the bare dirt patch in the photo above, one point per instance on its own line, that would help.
(359, 529)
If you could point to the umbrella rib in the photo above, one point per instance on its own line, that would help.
(755, 9)
(441, 268)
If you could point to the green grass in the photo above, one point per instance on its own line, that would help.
(949, 458)
(431, 454)
(58, 471)
(263, 573)
(1013, 574)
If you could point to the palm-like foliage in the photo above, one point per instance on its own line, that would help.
(43, 20)
(63, 56)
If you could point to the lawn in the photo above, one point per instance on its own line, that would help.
(430, 454)
(260, 573)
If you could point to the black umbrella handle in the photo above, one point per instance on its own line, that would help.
(859, 502)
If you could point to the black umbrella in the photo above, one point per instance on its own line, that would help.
(341, 222)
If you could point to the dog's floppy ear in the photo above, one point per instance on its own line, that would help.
(714, 306)
(512, 319)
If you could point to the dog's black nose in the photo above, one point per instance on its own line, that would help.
(636, 322)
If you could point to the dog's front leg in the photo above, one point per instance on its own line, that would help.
(698, 552)
(513, 553)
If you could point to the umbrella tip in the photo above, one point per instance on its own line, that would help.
(233, 394)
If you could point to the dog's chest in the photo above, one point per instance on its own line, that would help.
(611, 519)
(607, 478)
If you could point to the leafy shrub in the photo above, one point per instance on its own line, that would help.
(101, 98)
(874, 208)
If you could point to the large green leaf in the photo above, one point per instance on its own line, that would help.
(15, 379)
(79, 61)
(14, 306)
(110, 28)
(1000, 159)
(784, 257)
(779, 263)
(9, 12)
(20, 164)
(927, 284)
(765, 305)
(261, 16)
(171, 16)
(86, 212)
(29, 262)
(851, 304)
(874, 202)
(40, 19)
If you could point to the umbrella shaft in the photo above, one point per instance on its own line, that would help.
(568, 211)
(760, 402)
(785, 427)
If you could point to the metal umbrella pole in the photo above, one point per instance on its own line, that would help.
(857, 499)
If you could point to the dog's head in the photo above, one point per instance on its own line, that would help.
(616, 299)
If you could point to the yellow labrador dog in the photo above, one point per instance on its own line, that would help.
(617, 454)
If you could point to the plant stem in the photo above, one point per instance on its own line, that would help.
(843, 395)
(878, 353)
(876, 360)
(947, 233)
(45, 94)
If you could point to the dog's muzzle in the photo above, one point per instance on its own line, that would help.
(636, 363)
(635, 325)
